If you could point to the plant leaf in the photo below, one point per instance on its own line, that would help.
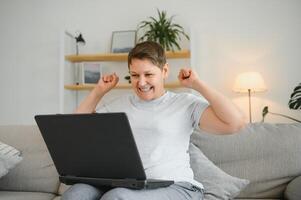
(162, 30)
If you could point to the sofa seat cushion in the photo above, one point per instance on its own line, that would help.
(36, 172)
(257, 199)
(266, 154)
(8, 195)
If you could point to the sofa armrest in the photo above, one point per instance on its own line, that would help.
(293, 189)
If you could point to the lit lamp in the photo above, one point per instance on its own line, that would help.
(249, 82)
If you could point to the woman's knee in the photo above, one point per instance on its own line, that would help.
(82, 192)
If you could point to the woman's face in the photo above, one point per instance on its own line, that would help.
(147, 79)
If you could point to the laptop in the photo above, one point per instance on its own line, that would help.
(96, 149)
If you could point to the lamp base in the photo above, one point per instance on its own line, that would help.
(250, 110)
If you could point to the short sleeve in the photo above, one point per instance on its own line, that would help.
(102, 109)
(117, 104)
(198, 106)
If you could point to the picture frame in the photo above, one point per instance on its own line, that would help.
(123, 41)
(91, 72)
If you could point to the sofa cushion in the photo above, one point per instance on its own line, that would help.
(293, 190)
(7, 195)
(217, 183)
(9, 158)
(36, 172)
(258, 153)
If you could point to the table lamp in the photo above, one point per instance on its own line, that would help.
(249, 82)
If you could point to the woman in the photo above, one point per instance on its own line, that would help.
(162, 123)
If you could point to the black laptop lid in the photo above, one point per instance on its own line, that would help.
(92, 145)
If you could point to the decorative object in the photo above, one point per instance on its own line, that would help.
(79, 40)
(295, 100)
(128, 78)
(123, 41)
(265, 111)
(163, 31)
(91, 72)
(249, 82)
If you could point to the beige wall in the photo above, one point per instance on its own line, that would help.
(228, 37)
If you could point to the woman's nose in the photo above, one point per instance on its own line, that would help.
(142, 80)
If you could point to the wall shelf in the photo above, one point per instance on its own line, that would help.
(119, 86)
(120, 56)
(70, 92)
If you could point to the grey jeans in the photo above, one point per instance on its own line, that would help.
(177, 191)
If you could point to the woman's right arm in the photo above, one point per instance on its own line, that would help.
(104, 85)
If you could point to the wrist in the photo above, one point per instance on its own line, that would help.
(98, 91)
(198, 85)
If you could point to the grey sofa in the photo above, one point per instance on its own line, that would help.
(269, 155)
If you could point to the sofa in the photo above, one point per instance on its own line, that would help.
(268, 155)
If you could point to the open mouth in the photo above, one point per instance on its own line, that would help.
(145, 89)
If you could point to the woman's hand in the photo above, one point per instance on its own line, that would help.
(221, 116)
(107, 82)
(104, 85)
(188, 78)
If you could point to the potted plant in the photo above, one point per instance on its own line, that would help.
(294, 103)
(162, 30)
(295, 100)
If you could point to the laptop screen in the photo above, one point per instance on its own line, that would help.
(92, 145)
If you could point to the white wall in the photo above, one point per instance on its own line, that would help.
(229, 37)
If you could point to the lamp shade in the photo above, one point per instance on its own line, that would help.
(252, 81)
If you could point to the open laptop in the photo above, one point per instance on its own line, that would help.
(97, 149)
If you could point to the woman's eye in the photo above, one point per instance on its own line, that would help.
(134, 75)
(148, 75)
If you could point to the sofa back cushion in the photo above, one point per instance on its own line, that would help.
(36, 171)
(266, 154)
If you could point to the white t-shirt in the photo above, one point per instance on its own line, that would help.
(162, 129)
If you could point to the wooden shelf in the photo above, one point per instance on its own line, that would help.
(119, 86)
(120, 56)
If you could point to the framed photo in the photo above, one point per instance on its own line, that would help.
(123, 41)
(91, 72)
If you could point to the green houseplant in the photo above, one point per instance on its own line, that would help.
(162, 30)
(265, 111)
(294, 103)
(295, 100)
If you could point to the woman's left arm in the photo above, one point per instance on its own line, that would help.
(221, 116)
